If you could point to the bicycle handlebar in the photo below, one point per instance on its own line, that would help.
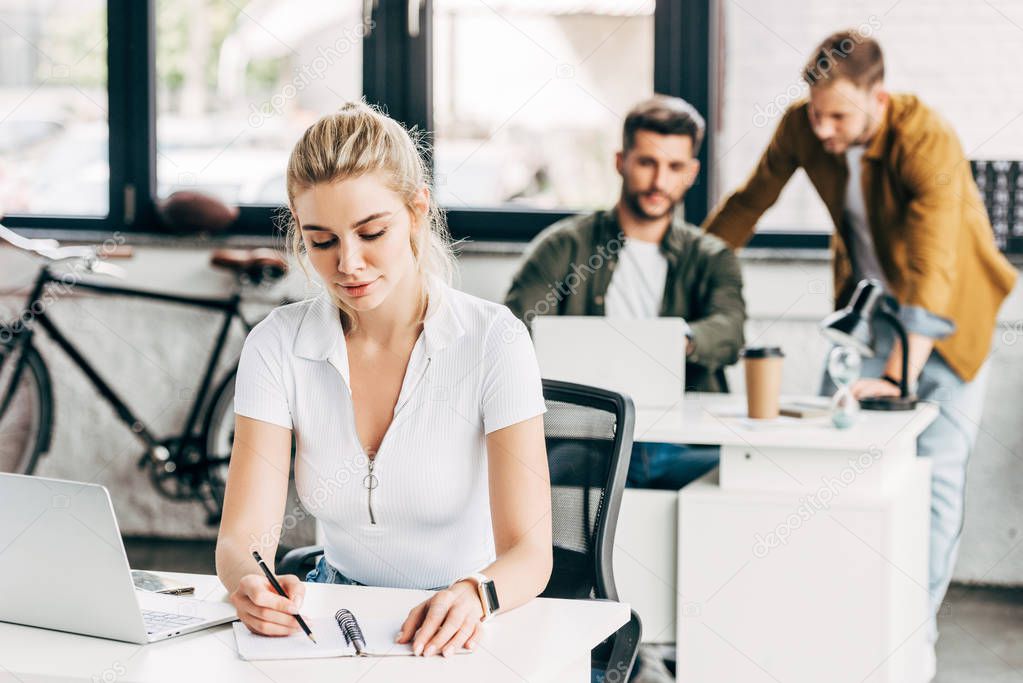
(53, 251)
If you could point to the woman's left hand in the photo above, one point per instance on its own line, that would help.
(447, 621)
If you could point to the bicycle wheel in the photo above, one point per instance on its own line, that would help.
(26, 408)
(218, 437)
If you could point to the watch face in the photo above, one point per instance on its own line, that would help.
(491, 591)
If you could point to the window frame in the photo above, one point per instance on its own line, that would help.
(397, 75)
(685, 65)
(129, 117)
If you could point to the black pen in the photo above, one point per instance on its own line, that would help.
(277, 587)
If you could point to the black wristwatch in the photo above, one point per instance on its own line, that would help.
(487, 592)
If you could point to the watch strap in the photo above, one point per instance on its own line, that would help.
(487, 592)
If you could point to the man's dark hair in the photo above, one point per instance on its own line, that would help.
(664, 115)
(846, 54)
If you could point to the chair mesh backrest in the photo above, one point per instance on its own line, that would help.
(581, 445)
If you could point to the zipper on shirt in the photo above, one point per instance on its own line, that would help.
(370, 481)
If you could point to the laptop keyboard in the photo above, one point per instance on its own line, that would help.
(161, 621)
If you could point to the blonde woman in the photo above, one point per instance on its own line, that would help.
(416, 408)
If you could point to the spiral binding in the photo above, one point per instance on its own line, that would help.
(349, 626)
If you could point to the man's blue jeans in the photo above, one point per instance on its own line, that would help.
(669, 466)
(947, 442)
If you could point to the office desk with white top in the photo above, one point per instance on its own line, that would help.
(803, 557)
(544, 640)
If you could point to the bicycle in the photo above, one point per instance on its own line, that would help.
(189, 465)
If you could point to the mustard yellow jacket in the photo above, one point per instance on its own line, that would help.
(931, 231)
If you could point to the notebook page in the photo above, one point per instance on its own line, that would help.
(329, 642)
(378, 630)
(380, 633)
(379, 627)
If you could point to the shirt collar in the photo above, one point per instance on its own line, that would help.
(443, 324)
(673, 242)
(877, 146)
(320, 336)
(673, 239)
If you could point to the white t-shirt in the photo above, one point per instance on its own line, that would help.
(863, 254)
(472, 371)
(637, 284)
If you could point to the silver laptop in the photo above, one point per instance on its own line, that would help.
(63, 567)
(643, 358)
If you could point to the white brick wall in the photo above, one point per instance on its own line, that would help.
(160, 348)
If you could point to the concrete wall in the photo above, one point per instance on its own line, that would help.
(154, 353)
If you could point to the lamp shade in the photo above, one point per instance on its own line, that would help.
(851, 326)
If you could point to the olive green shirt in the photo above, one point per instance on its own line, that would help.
(568, 267)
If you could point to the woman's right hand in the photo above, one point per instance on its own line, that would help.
(265, 612)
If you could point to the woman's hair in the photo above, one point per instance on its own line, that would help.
(356, 140)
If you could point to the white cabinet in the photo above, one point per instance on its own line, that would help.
(779, 586)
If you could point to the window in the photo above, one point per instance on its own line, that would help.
(237, 84)
(955, 55)
(529, 99)
(53, 108)
(108, 106)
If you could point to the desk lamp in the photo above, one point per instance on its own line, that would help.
(852, 326)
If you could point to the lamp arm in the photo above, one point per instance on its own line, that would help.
(901, 331)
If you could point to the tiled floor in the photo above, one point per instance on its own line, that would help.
(981, 628)
(981, 636)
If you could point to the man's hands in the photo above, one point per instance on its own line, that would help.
(870, 387)
(447, 621)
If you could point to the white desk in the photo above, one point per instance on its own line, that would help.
(544, 640)
(791, 613)
(716, 419)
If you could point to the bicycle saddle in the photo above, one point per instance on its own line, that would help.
(258, 264)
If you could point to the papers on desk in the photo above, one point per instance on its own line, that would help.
(780, 422)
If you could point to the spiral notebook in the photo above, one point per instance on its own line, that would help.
(340, 636)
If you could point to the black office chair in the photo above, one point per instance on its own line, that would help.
(589, 442)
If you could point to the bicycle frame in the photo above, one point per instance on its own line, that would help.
(24, 332)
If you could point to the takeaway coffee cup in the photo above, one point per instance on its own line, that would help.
(763, 380)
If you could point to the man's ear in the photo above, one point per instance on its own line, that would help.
(881, 96)
(692, 172)
(620, 162)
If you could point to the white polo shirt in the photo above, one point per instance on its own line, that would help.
(472, 371)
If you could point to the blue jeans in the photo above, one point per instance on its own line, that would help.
(666, 466)
(947, 442)
(324, 572)
(669, 466)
